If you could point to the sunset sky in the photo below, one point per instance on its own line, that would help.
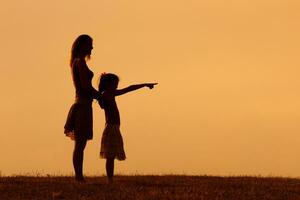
(227, 103)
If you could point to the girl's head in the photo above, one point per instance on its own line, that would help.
(108, 81)
(81, 48)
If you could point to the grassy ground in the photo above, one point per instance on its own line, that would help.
(151, 187)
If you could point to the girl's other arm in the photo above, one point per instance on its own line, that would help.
(134, 87)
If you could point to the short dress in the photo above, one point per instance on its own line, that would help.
(112, 143)
(79, 123)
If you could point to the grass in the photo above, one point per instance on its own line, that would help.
(151, 188)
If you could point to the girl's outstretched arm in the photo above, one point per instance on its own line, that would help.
(134, 87)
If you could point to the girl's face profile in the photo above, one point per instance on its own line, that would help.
(113, 85)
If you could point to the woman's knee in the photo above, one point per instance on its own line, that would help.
(80, 144)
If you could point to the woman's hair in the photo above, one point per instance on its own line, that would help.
(105, 80)
(78, 47)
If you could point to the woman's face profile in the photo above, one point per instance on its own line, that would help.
(88, 46)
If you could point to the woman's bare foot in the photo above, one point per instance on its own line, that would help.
(80, 179)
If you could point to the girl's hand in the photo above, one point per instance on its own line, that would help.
(150, 85)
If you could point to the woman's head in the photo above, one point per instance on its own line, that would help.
(108, 81)
(81, 48)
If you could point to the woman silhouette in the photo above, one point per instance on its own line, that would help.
(79, 124)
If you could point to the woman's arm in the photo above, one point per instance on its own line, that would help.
(133, 87)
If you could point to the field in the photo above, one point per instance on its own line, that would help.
(151, 187)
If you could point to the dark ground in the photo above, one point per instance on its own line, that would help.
(151, 187)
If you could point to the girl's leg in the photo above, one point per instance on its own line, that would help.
(78, 158)
(110, 169)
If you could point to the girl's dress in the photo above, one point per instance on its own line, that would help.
(112, 141)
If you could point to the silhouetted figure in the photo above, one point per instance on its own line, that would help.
(79, 124)
(112, 141)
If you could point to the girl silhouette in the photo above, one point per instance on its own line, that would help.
(112, 141)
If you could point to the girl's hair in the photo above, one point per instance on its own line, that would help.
(105, 80)
(78, 47)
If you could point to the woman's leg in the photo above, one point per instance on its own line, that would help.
(78, 158)
(110, 169)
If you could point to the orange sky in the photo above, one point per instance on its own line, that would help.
(227, 103)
